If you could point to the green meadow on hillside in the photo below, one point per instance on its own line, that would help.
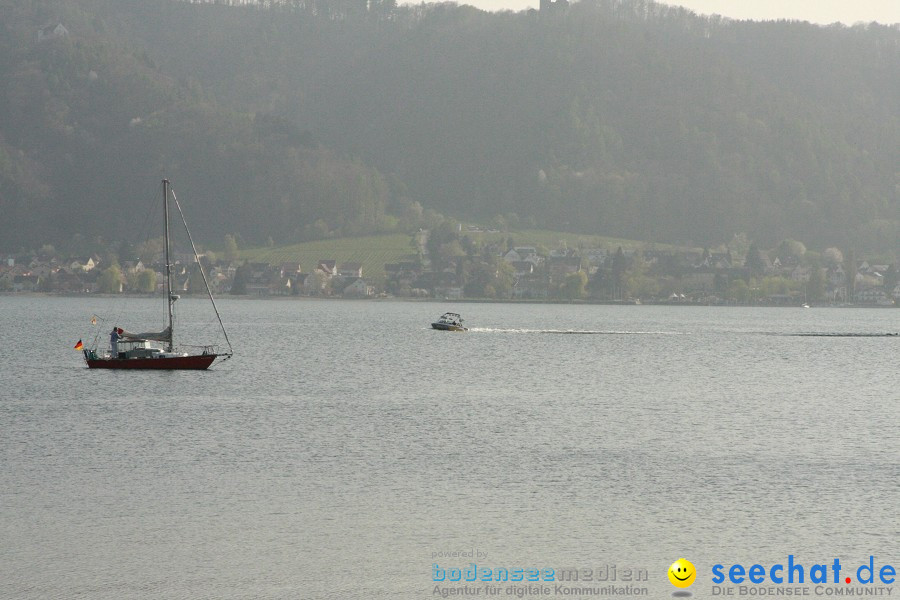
(374, 251)
(371, 251)
(557, 239)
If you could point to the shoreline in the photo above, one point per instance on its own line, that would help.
(585, 302)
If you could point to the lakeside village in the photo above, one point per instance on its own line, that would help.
(451, 266)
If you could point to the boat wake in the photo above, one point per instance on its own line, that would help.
(570, 331)
(841, 334)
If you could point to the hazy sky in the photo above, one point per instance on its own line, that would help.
(816, 11)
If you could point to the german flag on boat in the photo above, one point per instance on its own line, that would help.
(79, 345)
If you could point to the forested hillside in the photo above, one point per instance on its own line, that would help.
(88, 126)
(610, 117)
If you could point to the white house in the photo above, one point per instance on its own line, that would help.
(82, 264)
(50, 32)
(873, 295)
(327, 268)
(358, 288)
(309, 283)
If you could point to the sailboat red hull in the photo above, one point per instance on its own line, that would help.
(196, 362)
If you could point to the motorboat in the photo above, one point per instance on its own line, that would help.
(449, 322)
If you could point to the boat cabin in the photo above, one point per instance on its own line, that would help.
(137, 349)
(450, 319)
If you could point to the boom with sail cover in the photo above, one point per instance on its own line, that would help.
(160, 336)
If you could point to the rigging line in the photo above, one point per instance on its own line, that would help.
(202, 274)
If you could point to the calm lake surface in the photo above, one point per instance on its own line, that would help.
(346, 442)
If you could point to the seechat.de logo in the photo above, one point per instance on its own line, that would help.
(682, 573)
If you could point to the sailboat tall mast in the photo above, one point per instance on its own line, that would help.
(169, 299)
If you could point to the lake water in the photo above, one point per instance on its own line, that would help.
(346, 443)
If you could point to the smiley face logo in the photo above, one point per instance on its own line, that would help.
(682, 573)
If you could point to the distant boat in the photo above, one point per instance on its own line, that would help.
(449, 322)
(804, 305)
(140, 350)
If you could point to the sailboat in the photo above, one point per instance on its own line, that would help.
(142, 350)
